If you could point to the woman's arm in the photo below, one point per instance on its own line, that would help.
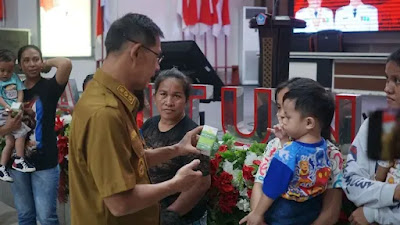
(331, 205)
(64, 67)
(21, 96)
(255, 195)
(269, 152)
(188, 199)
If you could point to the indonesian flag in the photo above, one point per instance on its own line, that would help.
(222, 12)
(208, 16)
(226, 20)
(187, 10)
(99, 54)
(2, 8)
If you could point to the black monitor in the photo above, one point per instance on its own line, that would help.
(188, 58)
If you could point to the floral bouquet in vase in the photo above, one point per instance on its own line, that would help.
(232, 169)
(63, 119)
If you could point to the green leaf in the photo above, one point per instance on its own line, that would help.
(228, 155)
(257, 148)
(228, 140)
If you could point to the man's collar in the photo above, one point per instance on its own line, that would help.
(130, 101)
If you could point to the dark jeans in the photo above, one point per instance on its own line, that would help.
(287, 212)
(35, 196)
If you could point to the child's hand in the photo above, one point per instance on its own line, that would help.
(279, 132)
(253, 219)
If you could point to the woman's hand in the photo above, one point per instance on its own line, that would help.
(45, 67)
(253, 219)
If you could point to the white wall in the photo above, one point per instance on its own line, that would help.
(24, 14)
(164, 14)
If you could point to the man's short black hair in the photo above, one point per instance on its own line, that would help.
(134, 27)
(313, 100)
(395, 57)
(7, 56)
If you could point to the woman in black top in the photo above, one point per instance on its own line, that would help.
(172, 90)
(35, 194)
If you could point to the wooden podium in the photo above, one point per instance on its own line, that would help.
(275, 35)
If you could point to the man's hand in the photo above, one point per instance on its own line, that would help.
(186, 177)
(358, 217)
(188, 143)
(253, 219)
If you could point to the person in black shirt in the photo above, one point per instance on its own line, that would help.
(172, 90)
(35, 194)
(86, 81)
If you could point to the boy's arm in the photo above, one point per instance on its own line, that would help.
(21, 96)
(4, 103)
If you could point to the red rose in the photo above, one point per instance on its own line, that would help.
(249, 191)
(247, 172)
(223, 148)
(214, 181)
(224, 182)
(59, 124)
(62, 145)
(228, 201)
(214, 163)
(257, 162)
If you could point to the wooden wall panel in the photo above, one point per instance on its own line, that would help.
(359, 84)
(369, 69)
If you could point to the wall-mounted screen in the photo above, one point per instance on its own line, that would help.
(348, 15)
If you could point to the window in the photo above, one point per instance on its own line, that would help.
(65, 28)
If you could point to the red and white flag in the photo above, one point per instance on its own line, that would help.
(217, 6)
(208, 16)
(221, 8)
(99, 51)
(188, 12)
(2, 10)
(226, 20)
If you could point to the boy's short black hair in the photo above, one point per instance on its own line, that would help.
(313, 100)
(7, 56)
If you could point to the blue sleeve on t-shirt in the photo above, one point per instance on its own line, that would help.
(18, 82)
(280, 172)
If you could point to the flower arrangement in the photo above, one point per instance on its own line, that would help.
(232, 169)
(63, 119)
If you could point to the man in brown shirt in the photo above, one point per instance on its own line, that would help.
(108, 166)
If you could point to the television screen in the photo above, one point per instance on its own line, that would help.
(348, 15)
